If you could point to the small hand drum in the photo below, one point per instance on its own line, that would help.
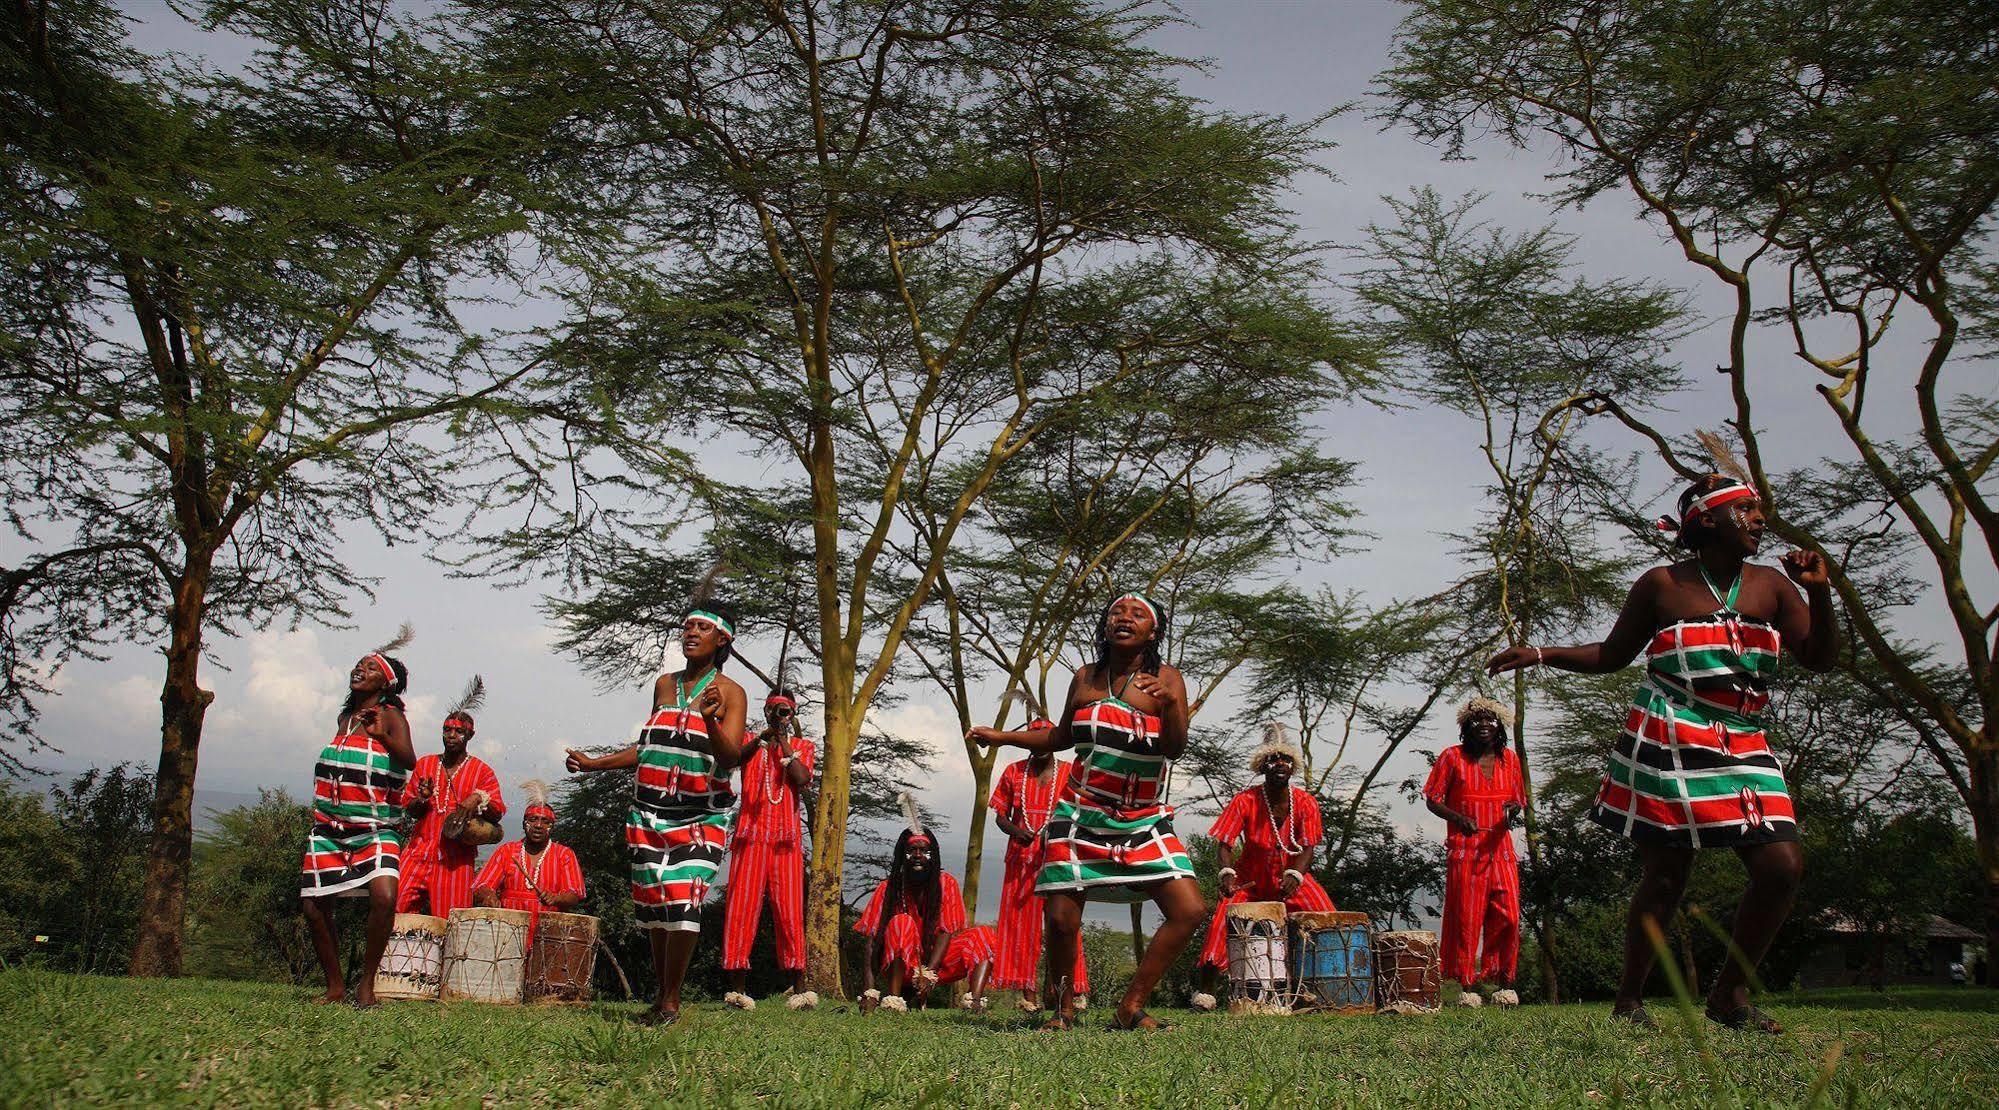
(1335, 961)
(413, 963)
(1259, 968)
(1406, 973)
(485, 953)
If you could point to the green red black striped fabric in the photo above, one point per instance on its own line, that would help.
(356, 811)
(1692, 766)
(678, 827)
(1112, 831)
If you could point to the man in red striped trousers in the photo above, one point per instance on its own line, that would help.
(438, 871)
(1021, 802)
(1476, 788)
(767, 858)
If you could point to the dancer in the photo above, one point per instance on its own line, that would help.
(681, 801)
(1692, 769)
(1478, 790)
(908, 922)
(1111, 833)
(533, 873)
(766, 853)
(1021, 804)
(1278, 826)
(439, 870)
(353, 847)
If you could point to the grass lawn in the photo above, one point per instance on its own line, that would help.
(72, 1039)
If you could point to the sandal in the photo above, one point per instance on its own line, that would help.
(1635, 1016)
(1747, 1018)
(1139, 1021)
(1060, 1023)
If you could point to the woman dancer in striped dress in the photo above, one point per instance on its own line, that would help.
(1692, 768)
(1111, 834)
(681, 800)
(355, 842)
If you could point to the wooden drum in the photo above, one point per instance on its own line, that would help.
(1406, 972)
(413, 963)
(485, 953)
(1335, 961)
(1259, 967)
(561, 958)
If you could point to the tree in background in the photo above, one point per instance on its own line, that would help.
(867, 235)
(243, 912)
(1495, 327)
(1832, 170)
(78, 864)
(233, 320)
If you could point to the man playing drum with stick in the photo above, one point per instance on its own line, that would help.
(1277, 826)
(533, 873)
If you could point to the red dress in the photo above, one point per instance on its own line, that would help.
(1481, 873)
(1267, 845)
(966, 951)
(767, 862)
(516, 876)
(903, 938)
(1027, 803)
(441, 871)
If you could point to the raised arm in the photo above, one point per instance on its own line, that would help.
(724, 707)
(1811, 623)
(1055, 739)
(387, 725)
(1168, 689)
(1635, 624)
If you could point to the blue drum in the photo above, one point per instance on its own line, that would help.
(1335, 961)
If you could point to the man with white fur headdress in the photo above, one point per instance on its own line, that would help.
(1264, 841)
(532, 873)
(1476, 787)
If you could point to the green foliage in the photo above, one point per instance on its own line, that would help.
(80, 1041)
(79, 862)
(243, 903)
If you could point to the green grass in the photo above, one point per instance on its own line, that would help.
(69, 1039)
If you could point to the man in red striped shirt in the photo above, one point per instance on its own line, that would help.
(436, 869)
(1477, 789)
(534, 872)
(767, 858)
(1021, 803)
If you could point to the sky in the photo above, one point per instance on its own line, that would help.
(276, 689)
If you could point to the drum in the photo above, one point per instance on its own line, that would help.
(1406, 974)
(471, 831)
(561, 958)
(485, 951)
(1259, 968)
(413, 963)
(1335, 961)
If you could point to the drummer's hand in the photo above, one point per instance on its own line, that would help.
(575, 762)
(1022, 836)
(1288, 884)
(1150, 686)
(426, 788)
(1228, 885)
(473, 802)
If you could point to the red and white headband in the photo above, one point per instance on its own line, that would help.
(1715, 498)
(1150, 609)
(382, 661)
(542, 808)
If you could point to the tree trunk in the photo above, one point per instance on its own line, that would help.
(1137, 933)
(829, 848)
(975, 837)
(1544, 926)
(183, 705)
(1982, 769)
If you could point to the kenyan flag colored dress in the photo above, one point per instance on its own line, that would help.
(357, 816)
(678, 826)
(1692, 766)
(1112, 831)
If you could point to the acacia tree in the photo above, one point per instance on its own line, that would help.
(1496, 328)
(1832, 170)
(866, 231)
(227, 327)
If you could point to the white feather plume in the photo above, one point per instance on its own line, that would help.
(909, 813)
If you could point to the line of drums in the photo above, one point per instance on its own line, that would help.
(490, 955)
(1326, 962)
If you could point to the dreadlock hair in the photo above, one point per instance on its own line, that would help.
(1149, 658)
(391, 696)
(927, 895)
(1694, 532)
